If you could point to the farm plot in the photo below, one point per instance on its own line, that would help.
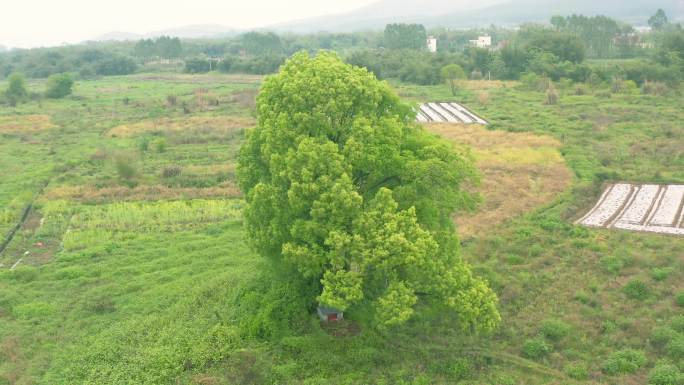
(647, 208)
(447, 113)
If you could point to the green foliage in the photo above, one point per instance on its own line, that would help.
(125, 166)
(675, 348)
(554, 329)
(335, 179)
(451, 74)
(679, 299)
(159, 145)
(536, 348)
(636, 289)
(59, 86)
(612, 264)
(577, 371)
(197, 66)
(665, 374)
(624, 362)
(659, 20)
(661, 336)
(661, 274)
(405, 36)
(16, 89)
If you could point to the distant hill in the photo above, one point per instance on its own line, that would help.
(185, 32)
(464, 13)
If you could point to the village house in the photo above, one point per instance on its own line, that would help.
(484, 41)
(432, 44)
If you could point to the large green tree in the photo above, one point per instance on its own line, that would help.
(343, 185)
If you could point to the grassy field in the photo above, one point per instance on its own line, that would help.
(134, 269)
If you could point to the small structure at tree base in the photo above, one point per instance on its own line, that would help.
(329, 314)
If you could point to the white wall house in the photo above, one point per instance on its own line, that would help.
(432, 44)
(484, 41)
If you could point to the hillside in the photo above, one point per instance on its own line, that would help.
(469, 14)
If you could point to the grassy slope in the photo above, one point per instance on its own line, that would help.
(189, 303)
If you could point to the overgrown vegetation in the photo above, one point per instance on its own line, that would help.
(149, 279)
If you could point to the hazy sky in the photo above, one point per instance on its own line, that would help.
(31, 23)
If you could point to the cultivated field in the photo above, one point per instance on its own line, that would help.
(650, 208)
(449, 112)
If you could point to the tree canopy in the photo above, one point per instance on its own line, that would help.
(451, 74)
(59, 86)
(16, 90)
(342, 185)
(405, 36)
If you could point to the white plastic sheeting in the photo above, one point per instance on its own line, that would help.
(648, 208)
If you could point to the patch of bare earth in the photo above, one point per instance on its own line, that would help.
(520, 172)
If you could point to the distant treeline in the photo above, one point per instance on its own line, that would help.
(558, 50)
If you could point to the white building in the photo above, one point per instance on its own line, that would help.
(432, 44)
(484, 41)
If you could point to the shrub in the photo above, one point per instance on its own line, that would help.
(675, 348)
(665, 374)
(159, 145)
(59, 86)
(679, 299)
(678, 323)
(124, 167)
(624, 361)
(577, 371)
(535, 348)
(612, 264)
(555, 329)
(661, 274)
(636, 289)
(661, 336)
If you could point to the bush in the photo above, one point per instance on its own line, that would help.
(535, 348)
(677, 323)
(661, 336)
(624, 361)
(612, 264)
(555, 330)
(577, 371)
(665, 374)
(636, 289)
(661, 274)
(675, 348)
(159, 145)
(679, 299)
(125, 167)
(59, 86)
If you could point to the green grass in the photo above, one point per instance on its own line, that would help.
(149, 280)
